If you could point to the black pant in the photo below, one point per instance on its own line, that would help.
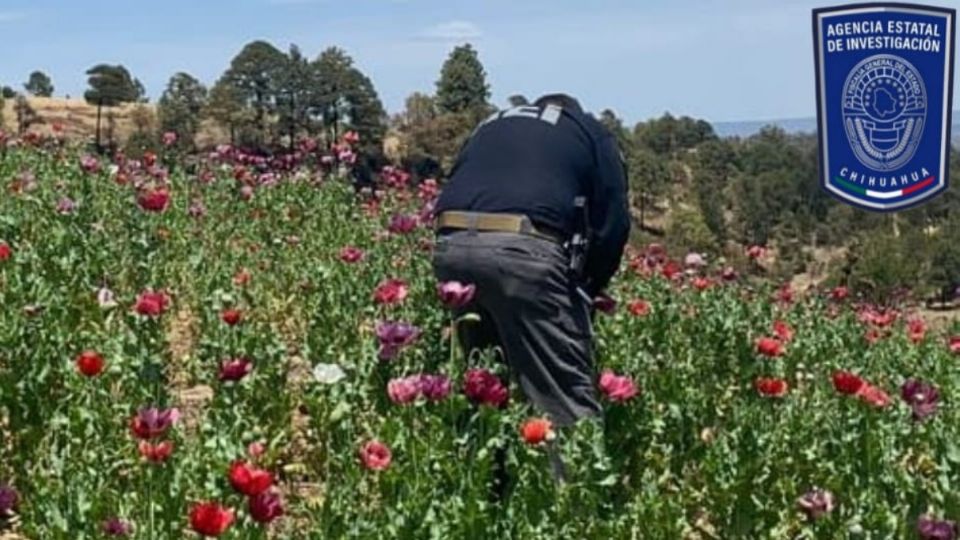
(528, 305)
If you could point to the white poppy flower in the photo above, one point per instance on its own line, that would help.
(328, 373)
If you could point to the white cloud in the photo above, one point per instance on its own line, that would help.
(452, 31)
(7, 16)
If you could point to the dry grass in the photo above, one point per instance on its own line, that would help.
(79, 120)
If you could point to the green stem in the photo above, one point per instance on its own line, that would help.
(149, 501)
(453, 340)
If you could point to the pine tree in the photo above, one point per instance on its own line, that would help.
(180, 107)
(255, 75)
(345, 99)
(225, 107)
(110, 86)
(39, 84)
(463, 83)
(294, 87)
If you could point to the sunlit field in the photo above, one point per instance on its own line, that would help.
(251, 347)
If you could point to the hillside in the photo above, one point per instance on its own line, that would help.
(76, 116)
(747, 128)
(78, 119)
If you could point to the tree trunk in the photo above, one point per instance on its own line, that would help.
(99, 109)
(643, 206)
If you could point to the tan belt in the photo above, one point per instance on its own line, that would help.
(480, 221)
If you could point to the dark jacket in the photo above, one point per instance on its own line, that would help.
(535, 161)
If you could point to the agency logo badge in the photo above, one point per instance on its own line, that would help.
(884, 99)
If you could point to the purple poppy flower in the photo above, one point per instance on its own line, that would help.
(455, 295)
(266, 507)
(66, 205)
(922, 397)
(393, 336)
(117, 527)
(605, 304)
(89, 164)
(935, 529)
(151, 423)
(435, 387)
(816, 503)
(197, 209)
(9, 498)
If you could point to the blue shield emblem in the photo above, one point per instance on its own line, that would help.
(884, 99)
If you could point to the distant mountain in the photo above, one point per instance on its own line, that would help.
(795, 125)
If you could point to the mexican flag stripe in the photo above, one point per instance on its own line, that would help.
(884, 194)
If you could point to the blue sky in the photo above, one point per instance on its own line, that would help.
(720, 60)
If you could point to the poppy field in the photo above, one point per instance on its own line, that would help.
(234, 346)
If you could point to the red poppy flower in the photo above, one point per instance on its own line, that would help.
(639, 308)
(872, 336)
(391, 291)
(375, 456)
(484, 388)
(210, 519)
(783, 331)
(232, 317)
(149, 159)
(671, 269)
(151, 304)
(784, 294)
(537, 431)
(90, 363)
(839, 293)
(954, 344)
(755, 252)
(156, 453)
(5, 251)
(154, 200)
(249, 480)
(771, 387)
(770, 347)
(916, 330)
(701, 283)
(242, 277)
(847, 383)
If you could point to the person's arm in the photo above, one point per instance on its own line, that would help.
(609, 216)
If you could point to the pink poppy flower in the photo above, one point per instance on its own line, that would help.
(404, 391)
(375, 456)
(350, 254)
(617, 388)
